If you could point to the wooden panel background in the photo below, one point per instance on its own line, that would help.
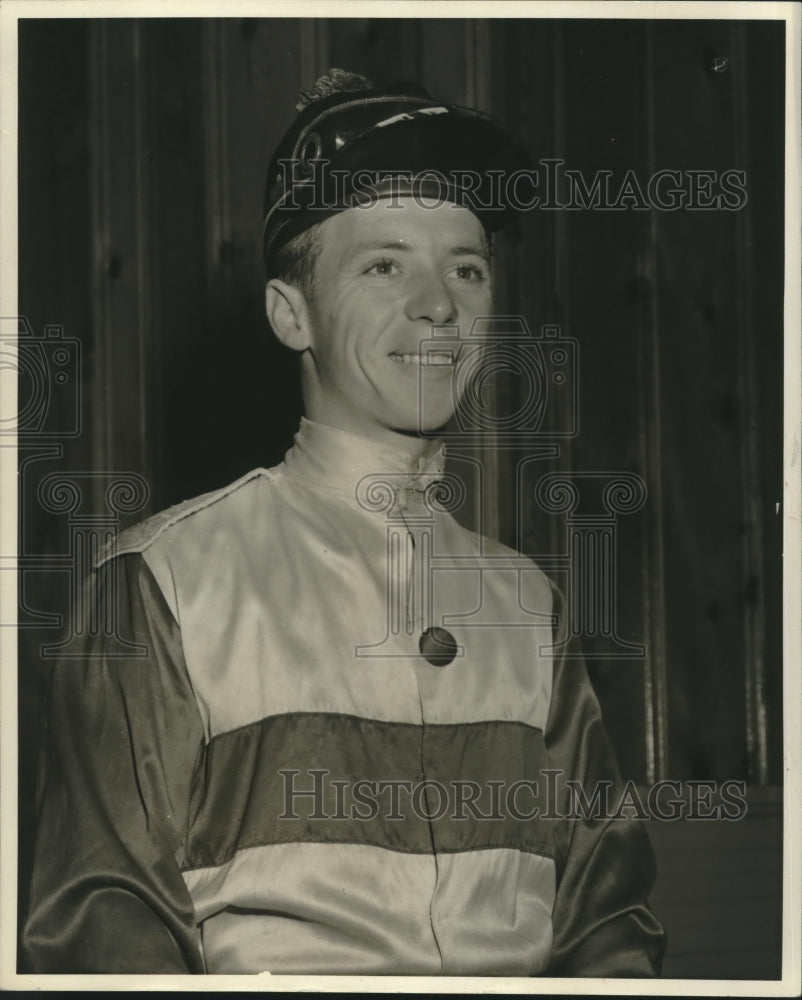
(143, 149)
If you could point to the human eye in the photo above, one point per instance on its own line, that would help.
(383, 268)
(473, 273)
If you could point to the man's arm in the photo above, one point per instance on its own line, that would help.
(122, 744)
(605, 867)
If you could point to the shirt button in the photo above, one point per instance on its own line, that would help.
(438, 646)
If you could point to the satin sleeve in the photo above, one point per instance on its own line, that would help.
(124, 736)
(602, 922)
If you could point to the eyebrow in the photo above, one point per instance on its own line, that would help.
(389, 245)
(404, 247)
(476, 251)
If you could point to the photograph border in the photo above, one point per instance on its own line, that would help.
(10, 12)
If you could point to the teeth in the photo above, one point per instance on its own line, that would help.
(430, 358)
(440, 358)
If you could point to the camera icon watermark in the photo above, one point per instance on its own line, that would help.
(47, 369)
(545, 367)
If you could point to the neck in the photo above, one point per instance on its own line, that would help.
(405, 442)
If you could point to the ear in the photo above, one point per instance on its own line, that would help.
(288, 314)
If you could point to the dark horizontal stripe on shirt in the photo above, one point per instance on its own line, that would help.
(440, 787)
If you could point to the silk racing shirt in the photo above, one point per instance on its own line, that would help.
(260, 772)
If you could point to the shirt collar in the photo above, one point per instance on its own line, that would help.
(347, 464)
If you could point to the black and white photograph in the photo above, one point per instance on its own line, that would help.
(400, 503)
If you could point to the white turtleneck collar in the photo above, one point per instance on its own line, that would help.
(339, 461)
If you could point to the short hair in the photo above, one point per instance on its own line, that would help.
(295, 262)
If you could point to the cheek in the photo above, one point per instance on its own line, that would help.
(346, 335)
(477, 303)
(362, 318)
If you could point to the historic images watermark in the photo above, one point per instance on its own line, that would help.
(320, 795)
(543, 363)
(89, 503)
(548, 186)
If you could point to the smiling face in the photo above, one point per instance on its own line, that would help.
(384, 276)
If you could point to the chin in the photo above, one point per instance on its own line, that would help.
(433, 424)
(409, 420)
(432, 428)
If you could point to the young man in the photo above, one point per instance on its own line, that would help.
(345, 746)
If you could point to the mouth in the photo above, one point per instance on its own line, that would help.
(431, 359)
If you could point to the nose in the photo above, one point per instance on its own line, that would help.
(431, 300)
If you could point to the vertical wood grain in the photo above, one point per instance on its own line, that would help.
(751, 434)
(652, 582)
(121, 279)
(54, 278)
(497, 470)
(601, 272)
(217, 187)
(313, 48)
(528, 95)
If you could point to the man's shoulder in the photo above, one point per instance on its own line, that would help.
(490, 547)
(538, 584)
(220, 504)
